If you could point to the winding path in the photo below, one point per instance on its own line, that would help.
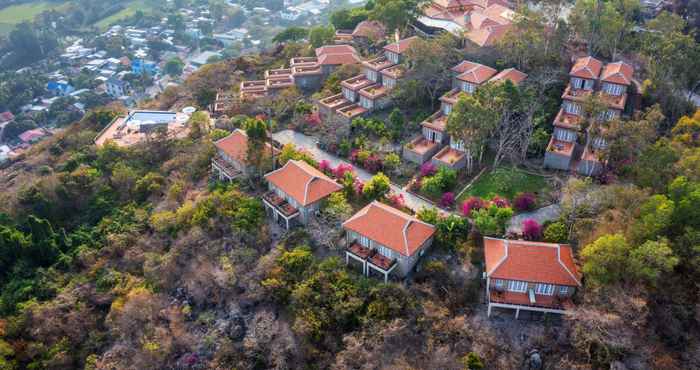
(308, 143)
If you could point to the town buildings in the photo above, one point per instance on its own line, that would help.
(386, 240)
(295, 193)
(570, 148)
(530, 276)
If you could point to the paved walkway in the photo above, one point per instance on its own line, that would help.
(308, 143)
(549, 213)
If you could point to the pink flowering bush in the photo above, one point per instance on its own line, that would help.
(358, 186)
(447, 200)
(373, 163)
(532, 230)
(340, 171)
(500, 202)
(324, 166)
(313, 119)
(397, 200)
(472, 204)
(427, 169)
(524, 202)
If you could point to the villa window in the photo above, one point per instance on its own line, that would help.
(517, 286)
(544, 289)
(576, 83)
(563, 290)
(613, 89)
(572, 108)
(446, 109)
(498, 283)
(468, 88)
(390, 83)
(588, 84)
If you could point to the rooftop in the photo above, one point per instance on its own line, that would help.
(587, 67)
(377, 64)
(391, 228)
(474, 72)
(449, 155)
(401, 46)
(356, 83)
(535, 262)
(617, 73)
(421, 145)
(510, 74)
(565, 148)
(235, 145)
(437, 121)
(351, 111)
(304, 183)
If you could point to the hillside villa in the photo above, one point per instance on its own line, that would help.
(296, 191)
(230, 161)
(587, 76)
(386, 240)
(530, 276)
(138, 125)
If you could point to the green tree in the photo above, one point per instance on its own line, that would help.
(321, 35)
(605, 259)
(556, 232)
(472, 121)
(651, 259)
(347, 19)
(291, 34)
(492, 221)
(337, 206)
(256, 130)
(395, 14)
(377, 187)
(174, 66)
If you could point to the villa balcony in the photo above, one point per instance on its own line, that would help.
(374, 92)
(343, 37)
(420, 149)
(565, 148)
(614, 101)
(280, 204)
(579, 95)
(226, 170)
(356, 83)
(371, 259)
(378, 64)
(567, 120)
(437, 122)
(279, 82)
(526, 299)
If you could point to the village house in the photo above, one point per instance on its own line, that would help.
(295, 193)
(386, 240)
(530, 276)
(306, 73)
(467, 77)
(588, 76)
(138, 125)
(231, 159)
(368, 91)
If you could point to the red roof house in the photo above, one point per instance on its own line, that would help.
(232, 152)
(533, 276)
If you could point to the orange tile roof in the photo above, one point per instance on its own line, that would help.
(302, 182)
(401, 46)
(474, 72)
(489, 35)
(337, 59)
(235, 145)
(531, 261)
(511, 74)
(391, 228)
(587, 67)
(335, 49)
(617, 73)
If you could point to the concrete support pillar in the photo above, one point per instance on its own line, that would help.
(287, 220)
(488, 312)
(386, 278)
(517, 313)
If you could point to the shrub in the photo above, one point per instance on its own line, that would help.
(491, 221)
(471, 204)
(324, 166)
(427, 169)
(443, 180)
(392, 161)
(524, 202)
(447, 199)
(556, 233)
(532, 230)
(376, 187)
(340, 171)
(397, 200)
(337, 206)
(472, 361)
(373, 163)
(500, 202)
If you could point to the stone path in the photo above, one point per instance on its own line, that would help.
(541, 215)
(309, 144)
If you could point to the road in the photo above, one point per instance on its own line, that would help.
(308, 143)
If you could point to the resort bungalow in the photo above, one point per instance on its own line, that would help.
(230, 161)
(531, 276)
(385, 240)
(296, 192)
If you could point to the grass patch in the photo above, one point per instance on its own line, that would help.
(129, 10)
(15, 14)
(506, 182)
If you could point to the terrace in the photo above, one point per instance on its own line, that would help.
(303, 61)
(343, 37)
(280, 207)
(614, 101)
(590, 154)
(280, 82)
(351, 111)
(225, 169)
(451, 97)
(421, 145)
(567, 120)
(374, 92)
(529, 300)
(271, 73)
(565, 148)
(253, 86)
(378, 64)
(306, 70)
(356, 83)
(333, 102)
(437, 121)
(449, 156)
(394, 72)
(575, 94)
(370, 259)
